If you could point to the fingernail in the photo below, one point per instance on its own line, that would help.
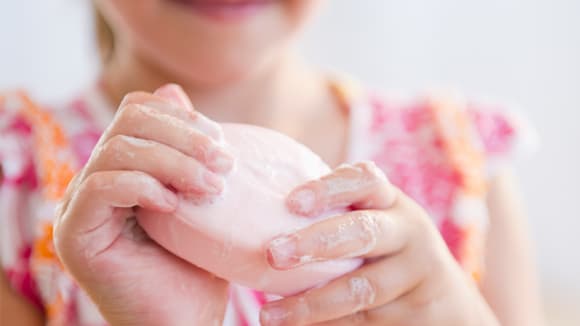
(282, 252)
(212, 183)
(175, 94)
(273, 315)
(168, 92)
(302, 201)
(208, 127)
(220, 161)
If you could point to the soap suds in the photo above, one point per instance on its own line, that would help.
(283, 249)
(218, 159)
(362, 175)
(255, 204)
(305, 259)
(373, 170)
(170, 120)
(122, 149)
(275, 314)
(207, 127)
(369, 231)
(361, 293)
(197, 199)
(336, 186)
(147, 186)
(209, 183)
(360, 229)
(304, 200)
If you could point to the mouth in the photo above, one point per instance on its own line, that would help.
(225, 10)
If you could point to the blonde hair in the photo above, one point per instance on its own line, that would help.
(104, 35)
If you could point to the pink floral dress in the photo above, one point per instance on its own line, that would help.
(440, 151)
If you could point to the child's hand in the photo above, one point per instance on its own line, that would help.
(410, 277)
(156, 141)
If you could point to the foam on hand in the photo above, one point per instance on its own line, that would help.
(228, 236)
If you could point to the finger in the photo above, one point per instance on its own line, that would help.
(144, 122)
(398, 312)
(371, 286)
(162, 162)
(171, 99)
(175, 94)
(62, 205)
(362, 186)
(354, 234)
(358, 318)
(96, 214)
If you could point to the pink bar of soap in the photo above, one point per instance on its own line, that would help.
(229, 235)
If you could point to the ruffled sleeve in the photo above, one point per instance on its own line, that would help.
(18, 190)
(505, 135)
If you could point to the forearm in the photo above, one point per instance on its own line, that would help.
(510, 283)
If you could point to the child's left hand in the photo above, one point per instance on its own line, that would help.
(409, 276)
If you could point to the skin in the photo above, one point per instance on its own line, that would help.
(410, 277)
(14, 309)
(95, 231)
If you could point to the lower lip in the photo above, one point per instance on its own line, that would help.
(225, 11)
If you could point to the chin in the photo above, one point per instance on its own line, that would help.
(217, 77)
(220, 68)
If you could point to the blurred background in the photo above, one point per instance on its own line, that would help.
(522, 52)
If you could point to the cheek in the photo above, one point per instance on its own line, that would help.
(129, 19)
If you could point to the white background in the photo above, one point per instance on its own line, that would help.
(521, 51)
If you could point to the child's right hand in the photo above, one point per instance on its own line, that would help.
(156, 141)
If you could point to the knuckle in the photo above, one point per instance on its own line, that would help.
(359, 318)
(432, 268)
(362, 292)
(424, 223)
(369, 227)
(344, 168)
(385, 194)
(415, 216)
(92, 183)
(114, 145)
(133, 98)
(423, 302)
(129, 113)
(64, 240)
(70, 189)
(305, 307)
(196, 116)
(366, 165)
(190, 166)
(199, 144)
(371, 170)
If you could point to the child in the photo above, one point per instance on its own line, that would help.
(424, 232)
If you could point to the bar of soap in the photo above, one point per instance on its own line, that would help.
(228, 236)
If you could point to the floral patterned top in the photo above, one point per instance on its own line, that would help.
(440, 151)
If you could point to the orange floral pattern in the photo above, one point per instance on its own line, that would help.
(435, 150)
